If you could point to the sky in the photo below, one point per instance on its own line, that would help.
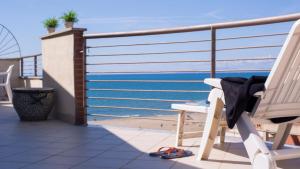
(25, 21)
(24, 17)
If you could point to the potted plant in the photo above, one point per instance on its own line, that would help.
(51, 24)
(70, 18)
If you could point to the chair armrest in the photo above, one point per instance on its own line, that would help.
(215, 82)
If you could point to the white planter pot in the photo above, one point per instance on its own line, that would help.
(69, 24)
(51, 30)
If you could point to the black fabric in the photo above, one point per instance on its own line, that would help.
(283, 119)
(239, 97)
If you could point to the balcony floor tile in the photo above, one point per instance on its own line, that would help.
(54, 144)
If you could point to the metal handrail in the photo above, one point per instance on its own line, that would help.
(35, 64)
(31, 56)
(224, 25)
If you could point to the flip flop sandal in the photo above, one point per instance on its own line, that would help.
(161, 151)
(179, 153)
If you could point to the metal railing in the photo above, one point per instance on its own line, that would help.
(31, 65)
(98, 75)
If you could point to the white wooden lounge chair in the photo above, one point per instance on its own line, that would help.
(281, 98)
(6, 83)
(183, 109)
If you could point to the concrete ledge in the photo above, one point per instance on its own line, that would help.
(63, 33)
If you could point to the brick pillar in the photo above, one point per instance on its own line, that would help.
(64, 70)
(79, 81)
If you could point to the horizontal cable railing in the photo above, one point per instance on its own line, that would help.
(190, 41)
(181, 52)
(139, 90)
(176, 72)
(141, 77)
(133, 117)
(31, 65)
(182, 61)
(142, 99)
(131, 108)
(149, 81)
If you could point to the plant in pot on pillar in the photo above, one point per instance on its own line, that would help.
(51, 24)
(70, 18)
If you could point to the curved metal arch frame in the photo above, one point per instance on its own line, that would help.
(13, 38)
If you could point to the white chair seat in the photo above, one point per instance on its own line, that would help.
(195, 108)
(190, 107)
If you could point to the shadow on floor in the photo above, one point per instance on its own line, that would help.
(53, 144)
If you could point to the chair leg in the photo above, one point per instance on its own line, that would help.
(180, 128)
(222, 134)
(9, 92)
(281, 135)
(210, 129)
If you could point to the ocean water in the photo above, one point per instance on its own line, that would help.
(198, 97)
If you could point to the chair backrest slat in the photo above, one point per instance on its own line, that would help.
(282, 95)
(9, 72)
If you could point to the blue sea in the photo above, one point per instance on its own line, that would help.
(198, 97)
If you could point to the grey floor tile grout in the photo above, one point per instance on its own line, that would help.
(101, 153)
(143, 154)
(53, 155)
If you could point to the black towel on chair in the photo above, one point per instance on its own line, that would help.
(239, 97)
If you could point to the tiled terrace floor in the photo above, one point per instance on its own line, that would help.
(56, 145)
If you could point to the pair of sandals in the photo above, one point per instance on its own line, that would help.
(170, 153)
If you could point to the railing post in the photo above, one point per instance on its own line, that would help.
(35, 65)
(213, 53)
(84, 53)
(22, 67)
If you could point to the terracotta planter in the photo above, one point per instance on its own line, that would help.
(51, 30)
(69, 24)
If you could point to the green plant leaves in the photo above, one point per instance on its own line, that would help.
(70, 16)
(51, 22)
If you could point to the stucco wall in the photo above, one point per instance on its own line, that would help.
(58, 72)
